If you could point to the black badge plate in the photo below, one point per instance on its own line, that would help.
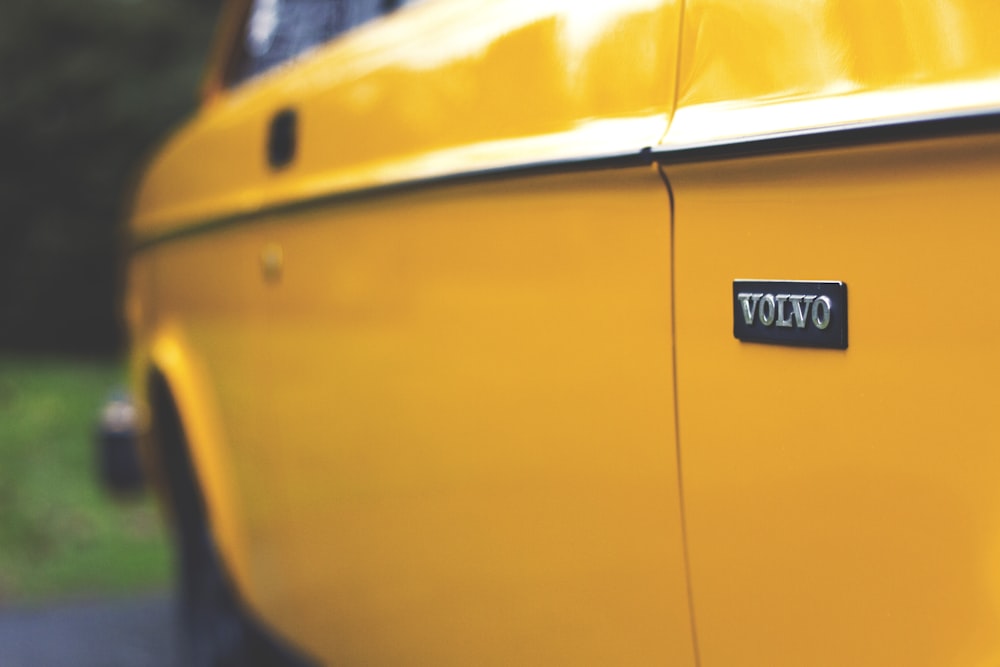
(791, 312)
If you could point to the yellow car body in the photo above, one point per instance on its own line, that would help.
(458, 378)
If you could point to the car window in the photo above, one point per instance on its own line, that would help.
(279, 30)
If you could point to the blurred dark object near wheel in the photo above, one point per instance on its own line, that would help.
(117, 451)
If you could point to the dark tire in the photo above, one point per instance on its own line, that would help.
(215, 629)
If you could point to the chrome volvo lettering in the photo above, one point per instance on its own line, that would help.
(783, 320)
(774, 310)
(800, 308)
(749, 303)
(797, 313)
(767, 310)
(821, 312)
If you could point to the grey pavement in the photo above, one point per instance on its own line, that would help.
(136, 632)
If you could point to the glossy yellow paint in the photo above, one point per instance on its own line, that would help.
(773, 67)
(451, 433)
(435, 88)
(437, 424)
(380, 486)
(842, 507)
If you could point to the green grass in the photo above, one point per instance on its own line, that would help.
(60, 534)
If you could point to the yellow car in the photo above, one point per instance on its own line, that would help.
(517, 332)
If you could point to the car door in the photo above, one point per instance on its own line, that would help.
(440, 337)
(469, 379)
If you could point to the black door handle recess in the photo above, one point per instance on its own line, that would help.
(281, 139)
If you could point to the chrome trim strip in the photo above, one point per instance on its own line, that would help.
(643, 158)
(833, 136)
(818, 138)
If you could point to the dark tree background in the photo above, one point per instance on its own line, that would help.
(88, 88)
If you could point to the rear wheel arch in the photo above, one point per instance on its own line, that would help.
(217, 628)
(181, 405)
(171, 455)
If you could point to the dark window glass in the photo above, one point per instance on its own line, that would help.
(278, 30)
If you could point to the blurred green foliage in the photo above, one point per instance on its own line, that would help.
(60, 535)
(87, 89)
